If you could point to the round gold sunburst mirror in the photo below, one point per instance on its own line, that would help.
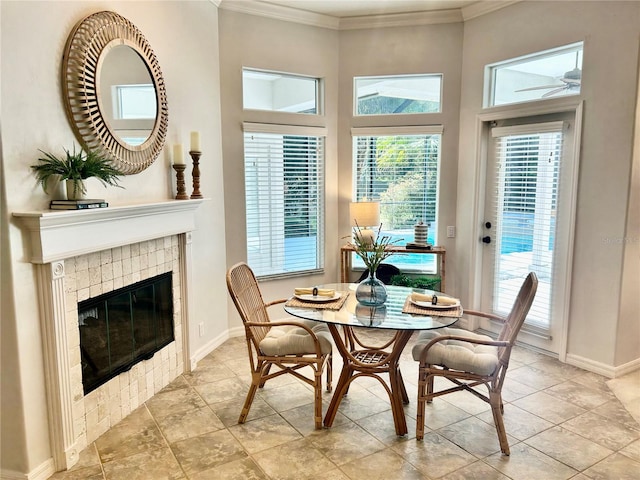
(114, 92)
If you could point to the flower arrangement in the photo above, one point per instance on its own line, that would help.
(372, 251)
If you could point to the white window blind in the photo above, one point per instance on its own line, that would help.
(284, 194)
(526, 202)
(399, 167)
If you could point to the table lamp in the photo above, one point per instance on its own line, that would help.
(365, 215)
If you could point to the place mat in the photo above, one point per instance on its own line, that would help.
(413, 309)
(333, 305)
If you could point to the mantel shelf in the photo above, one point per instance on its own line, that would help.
(56, 235)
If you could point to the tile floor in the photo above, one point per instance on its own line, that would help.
(562, 422)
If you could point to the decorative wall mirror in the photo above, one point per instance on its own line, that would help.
(114, 92)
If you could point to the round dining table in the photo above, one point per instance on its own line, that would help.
(398, 314)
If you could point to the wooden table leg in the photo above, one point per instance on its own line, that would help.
(389, 363)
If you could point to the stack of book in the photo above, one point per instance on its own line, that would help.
(78, 204)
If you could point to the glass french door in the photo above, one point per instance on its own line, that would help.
(527, 225)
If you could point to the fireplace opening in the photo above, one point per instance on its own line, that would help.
(120, 328)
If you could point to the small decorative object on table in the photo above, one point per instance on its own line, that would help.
(76, 167)
(371, 291)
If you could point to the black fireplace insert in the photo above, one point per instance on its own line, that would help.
(120, 328)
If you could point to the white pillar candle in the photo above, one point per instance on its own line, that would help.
(195, 141)
(178, 158)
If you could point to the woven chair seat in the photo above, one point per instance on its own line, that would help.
(456, 354)
(292, 340)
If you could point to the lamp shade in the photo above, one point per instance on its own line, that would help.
(364, 214)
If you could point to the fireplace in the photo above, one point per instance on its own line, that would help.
(122, 327)
(79, 256)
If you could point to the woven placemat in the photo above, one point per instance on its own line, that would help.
(413, 309)
(332, 305)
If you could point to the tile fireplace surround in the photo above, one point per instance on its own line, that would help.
(79, 255)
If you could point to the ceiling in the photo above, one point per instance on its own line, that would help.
(357, 8)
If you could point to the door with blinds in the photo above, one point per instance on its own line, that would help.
(528, 224)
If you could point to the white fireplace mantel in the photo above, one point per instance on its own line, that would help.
(59, 234)
(54, 237)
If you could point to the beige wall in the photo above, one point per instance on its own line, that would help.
(184, 37)
(255, 42)
(611, 33)
(392, 51)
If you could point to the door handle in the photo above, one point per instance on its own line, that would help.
(487, 224)
(486, 239)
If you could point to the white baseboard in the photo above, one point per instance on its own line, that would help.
(608, 371)
(41, 472)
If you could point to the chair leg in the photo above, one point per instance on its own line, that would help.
(430, 388)
(422, 388)
(495, 399)
(317, 388)
(256, 381)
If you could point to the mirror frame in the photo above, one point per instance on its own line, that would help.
(89, 42)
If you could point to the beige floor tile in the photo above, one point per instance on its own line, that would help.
(518, 423)
(436, 456)
(346, 443)
(607, 433)
(190, 428)
(264, 433)
(134, 434)
(382, 465)
(632, 450)
(245, 469)
(197, 454)
(191, 423)
(569, 448)
(474, 436)
(296, 460)
(579, 395)
(157, 464)
(526, 463)
(549, 408)
(616, 466)
(476, 471)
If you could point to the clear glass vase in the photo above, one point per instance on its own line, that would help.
(371, 291)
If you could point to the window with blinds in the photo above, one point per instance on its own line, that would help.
(284, 194)
(399, 167)
(526, 202)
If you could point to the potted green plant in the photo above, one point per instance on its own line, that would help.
(372, 251)
(74, 168)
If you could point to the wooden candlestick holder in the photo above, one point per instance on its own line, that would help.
(182, 191)
(195, 156)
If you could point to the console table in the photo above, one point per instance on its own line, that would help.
(440, 252)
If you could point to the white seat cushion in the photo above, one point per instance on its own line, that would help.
(292, 340)
(456, 354)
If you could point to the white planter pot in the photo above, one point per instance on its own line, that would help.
(75, 190)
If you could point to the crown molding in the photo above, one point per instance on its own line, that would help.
(289, 14)
(279, 12)
(483, 7)
(401, 19)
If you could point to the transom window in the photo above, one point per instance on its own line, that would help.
(399, 167)
(279, 92)
(398, 94)
(546, 74)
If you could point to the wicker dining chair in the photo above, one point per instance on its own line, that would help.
(287, 344)
(469, 360)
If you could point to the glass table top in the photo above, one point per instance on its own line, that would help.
(389, 316)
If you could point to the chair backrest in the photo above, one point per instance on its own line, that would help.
(245, 292)
(518, 314)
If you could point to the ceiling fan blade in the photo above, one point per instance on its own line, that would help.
(541, 87)
(553, 92)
